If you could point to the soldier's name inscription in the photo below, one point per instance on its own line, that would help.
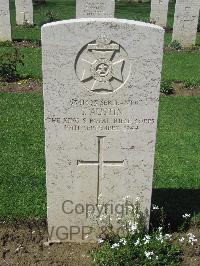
(101, 114)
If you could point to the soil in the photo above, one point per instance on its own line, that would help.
(191, 256)
(30, 85)
(26, 244)
(27, 44)
(27, 85)
(181, 90)
(189, 49)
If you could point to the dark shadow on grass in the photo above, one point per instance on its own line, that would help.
(177, 202)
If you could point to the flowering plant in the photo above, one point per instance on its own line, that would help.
(134, 246)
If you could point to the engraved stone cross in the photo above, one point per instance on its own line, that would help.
(100, 163)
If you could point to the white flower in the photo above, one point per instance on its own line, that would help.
(123, 241)
(190, 235)
(146, 239)
(138, 216)
(168, 236)
(137, 199)
(155, 207)
(100, 240)
(181, 239)
(186, 215)
(116, 245)
(103, 217)
(192, 238)
(130, 208)
(160, 238)
(149, 254)
(126, 198)
(132, 227)
(137, 242)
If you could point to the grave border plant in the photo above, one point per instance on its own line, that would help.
(9, 63)
(138, 247)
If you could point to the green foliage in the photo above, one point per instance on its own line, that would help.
(198, 27)
(8, 65)
(134, 246)
(39, 2)
(6, 44)
(175, 45)
(50, 17)
(166, 87)
(32, 61)
(191, 83)
(139, 249)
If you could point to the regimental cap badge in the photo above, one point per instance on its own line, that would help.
(102, 66)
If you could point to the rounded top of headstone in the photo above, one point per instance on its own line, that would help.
(105, 20)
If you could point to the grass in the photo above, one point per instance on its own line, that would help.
(177, 158)
(22, 168)
(182, 66)
(177, 162)
(22, 180)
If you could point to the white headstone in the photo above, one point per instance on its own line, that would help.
(5, 27)
(24, 12)
(186, 21)
(101, 96)
(95, 8)
(159, 11)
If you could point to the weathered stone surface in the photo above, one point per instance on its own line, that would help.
(5, 27)
(24, 12)
(159, 11)
(186, 21)
(101, 96)
(95, 8)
